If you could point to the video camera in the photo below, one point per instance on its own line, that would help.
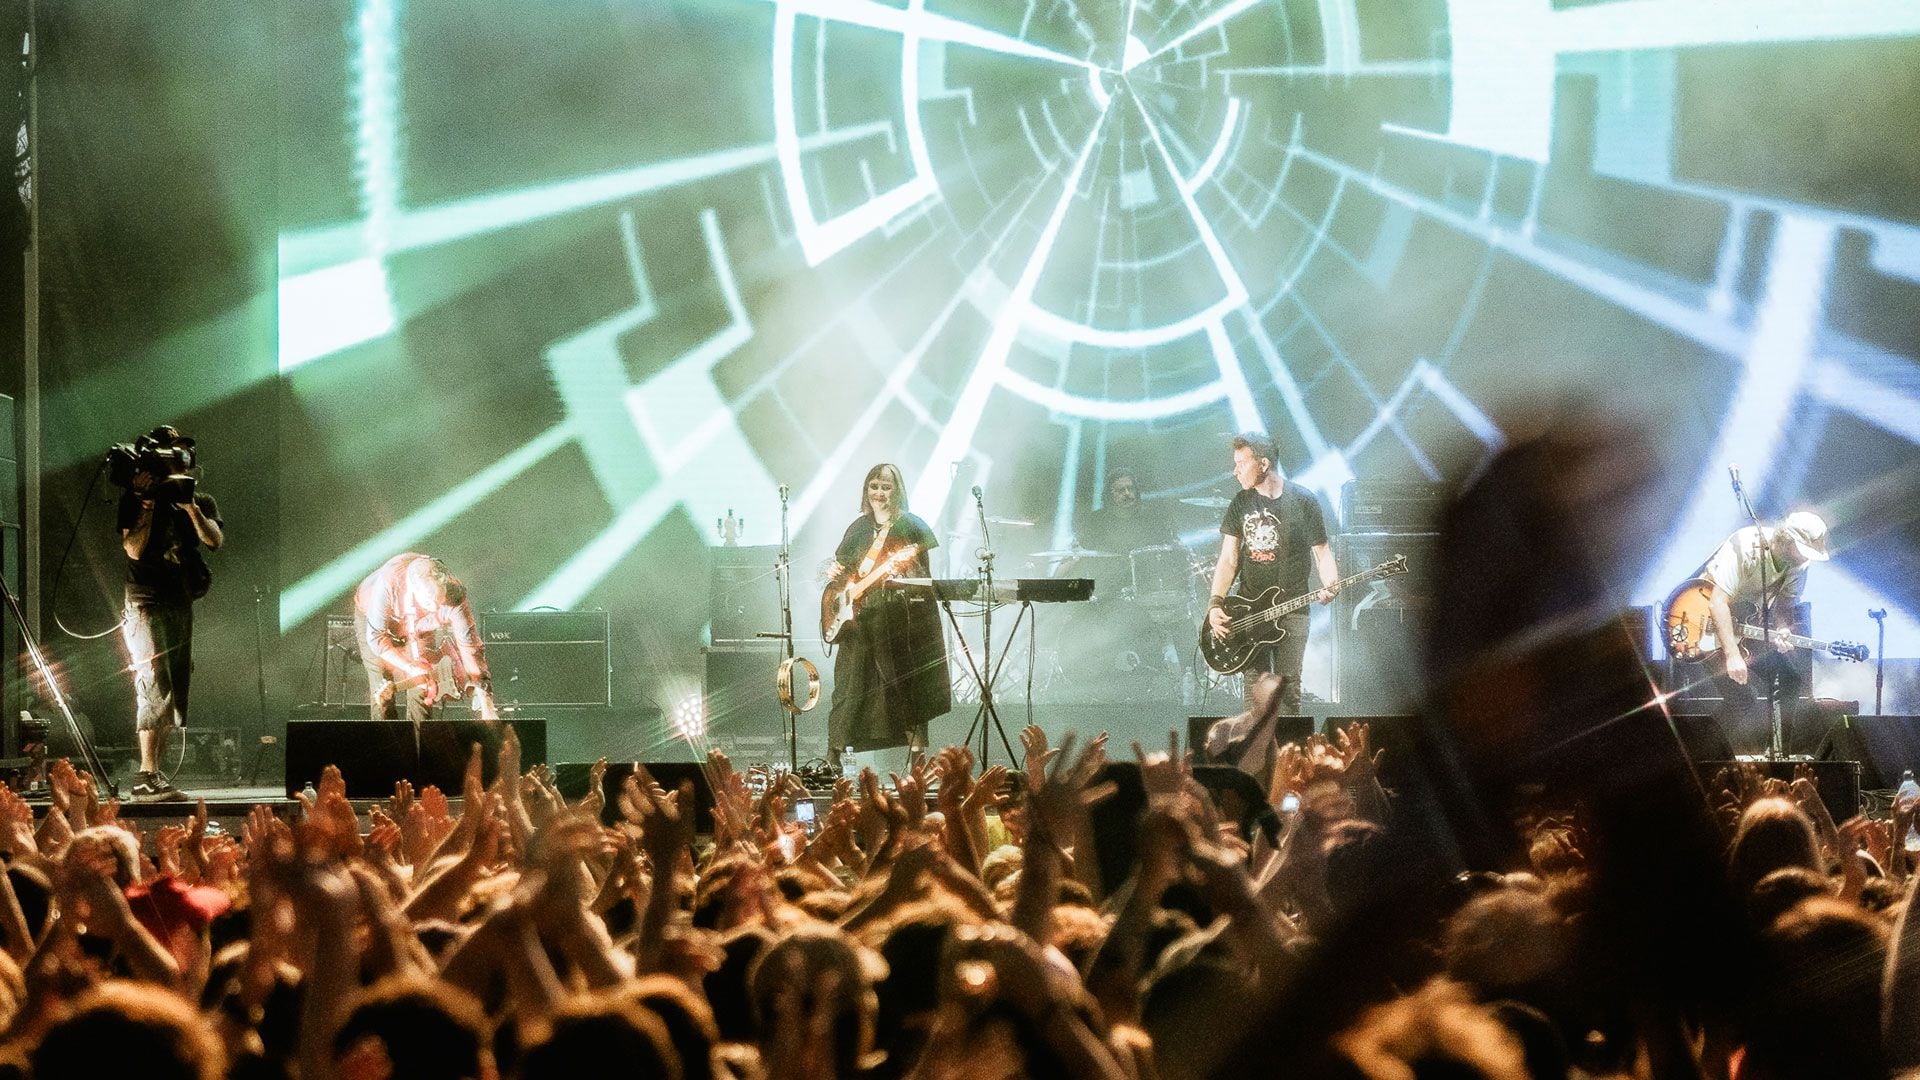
(163, 452)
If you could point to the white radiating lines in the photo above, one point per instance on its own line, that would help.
(1221, 15)
(935, 478)
(1772, 371)
(822, 238)
(686, 425)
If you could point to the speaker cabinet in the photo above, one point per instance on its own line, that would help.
(549, 657)
(1837, 781)
(743, 592)
(1378, 627)
(343, 676)
(1885, 746)
(1253, 754)
(744, 716)
(373, 755)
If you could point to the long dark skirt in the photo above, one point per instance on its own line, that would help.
(889, 676)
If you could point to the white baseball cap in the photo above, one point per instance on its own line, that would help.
(1808, 533)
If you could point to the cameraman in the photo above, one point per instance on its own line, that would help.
(164, 522)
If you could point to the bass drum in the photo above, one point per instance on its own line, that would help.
(1163, 580)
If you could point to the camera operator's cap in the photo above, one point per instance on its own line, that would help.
(1808, 533)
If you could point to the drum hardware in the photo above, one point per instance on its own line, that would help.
(1077, 553)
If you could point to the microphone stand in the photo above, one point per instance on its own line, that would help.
(989, 713)
(783, 573)
(260, 684)
(1879, 615)
(1777, 750)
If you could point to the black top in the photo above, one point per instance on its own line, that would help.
(170, 569)
(1277, 538)
(1107, 529)
(907, 529)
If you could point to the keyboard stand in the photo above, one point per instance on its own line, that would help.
(985, 673)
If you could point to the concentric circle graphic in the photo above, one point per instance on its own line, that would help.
(742, 244)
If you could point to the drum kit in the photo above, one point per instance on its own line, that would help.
(1131, 644)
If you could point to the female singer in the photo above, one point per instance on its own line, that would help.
(890, 676)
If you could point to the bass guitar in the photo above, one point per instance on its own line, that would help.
(1688, 625)
(1254, 623)
(841, 602)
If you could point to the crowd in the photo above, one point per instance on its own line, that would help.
(949, 922)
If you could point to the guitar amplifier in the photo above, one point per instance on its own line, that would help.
(743, 592)
(549, 657)
(343, 678)
(1390, 505)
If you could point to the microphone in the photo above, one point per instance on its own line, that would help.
(1733, 472)
(783, 493)
(976, 493)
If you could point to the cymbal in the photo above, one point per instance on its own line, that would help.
(1077, 553)
(1208, 502)
(1016, 522)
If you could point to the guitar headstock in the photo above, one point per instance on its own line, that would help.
(1395, 565)
(1848, 650)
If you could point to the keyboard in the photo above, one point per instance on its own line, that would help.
(1016, 591)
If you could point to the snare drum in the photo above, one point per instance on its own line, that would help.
(1163, 578)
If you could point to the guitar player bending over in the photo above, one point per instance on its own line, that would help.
(1271, 532)
(1753, 557)
(890, 674)
(410, 615)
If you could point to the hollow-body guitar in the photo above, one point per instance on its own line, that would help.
(1688, 623)
(1254, 623)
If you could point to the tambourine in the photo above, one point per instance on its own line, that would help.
(784, 680)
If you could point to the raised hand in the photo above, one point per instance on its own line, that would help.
(166, 849)
(1060, 803)
(595, 799)
(195, 847)
(666, 825)
(331, 782)
(913, 790)
(384, 837)
(16, 823)
(989, 791)
(1165, 775)
(1035, 755)
(401, 800)
(1354, 745)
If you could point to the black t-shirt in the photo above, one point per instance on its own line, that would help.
(171, 563)
(1277, 538)
(907, 529)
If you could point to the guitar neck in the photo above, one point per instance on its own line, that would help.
(1279, 611)
(880, 573)
(1754, 633)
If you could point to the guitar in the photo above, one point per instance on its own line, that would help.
(1688, 623)
(442, 681)
(840, 603)
(1253, 624)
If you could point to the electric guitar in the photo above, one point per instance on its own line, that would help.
(839, 603)
(1253, 624)
(1688, 623)
(445, 678)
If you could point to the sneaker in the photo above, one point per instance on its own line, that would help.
(154, 787)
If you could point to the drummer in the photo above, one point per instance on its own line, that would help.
(1123, 524)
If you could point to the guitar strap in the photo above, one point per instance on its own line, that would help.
(873, 550)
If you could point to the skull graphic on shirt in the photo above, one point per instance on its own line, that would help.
(1261, 533)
